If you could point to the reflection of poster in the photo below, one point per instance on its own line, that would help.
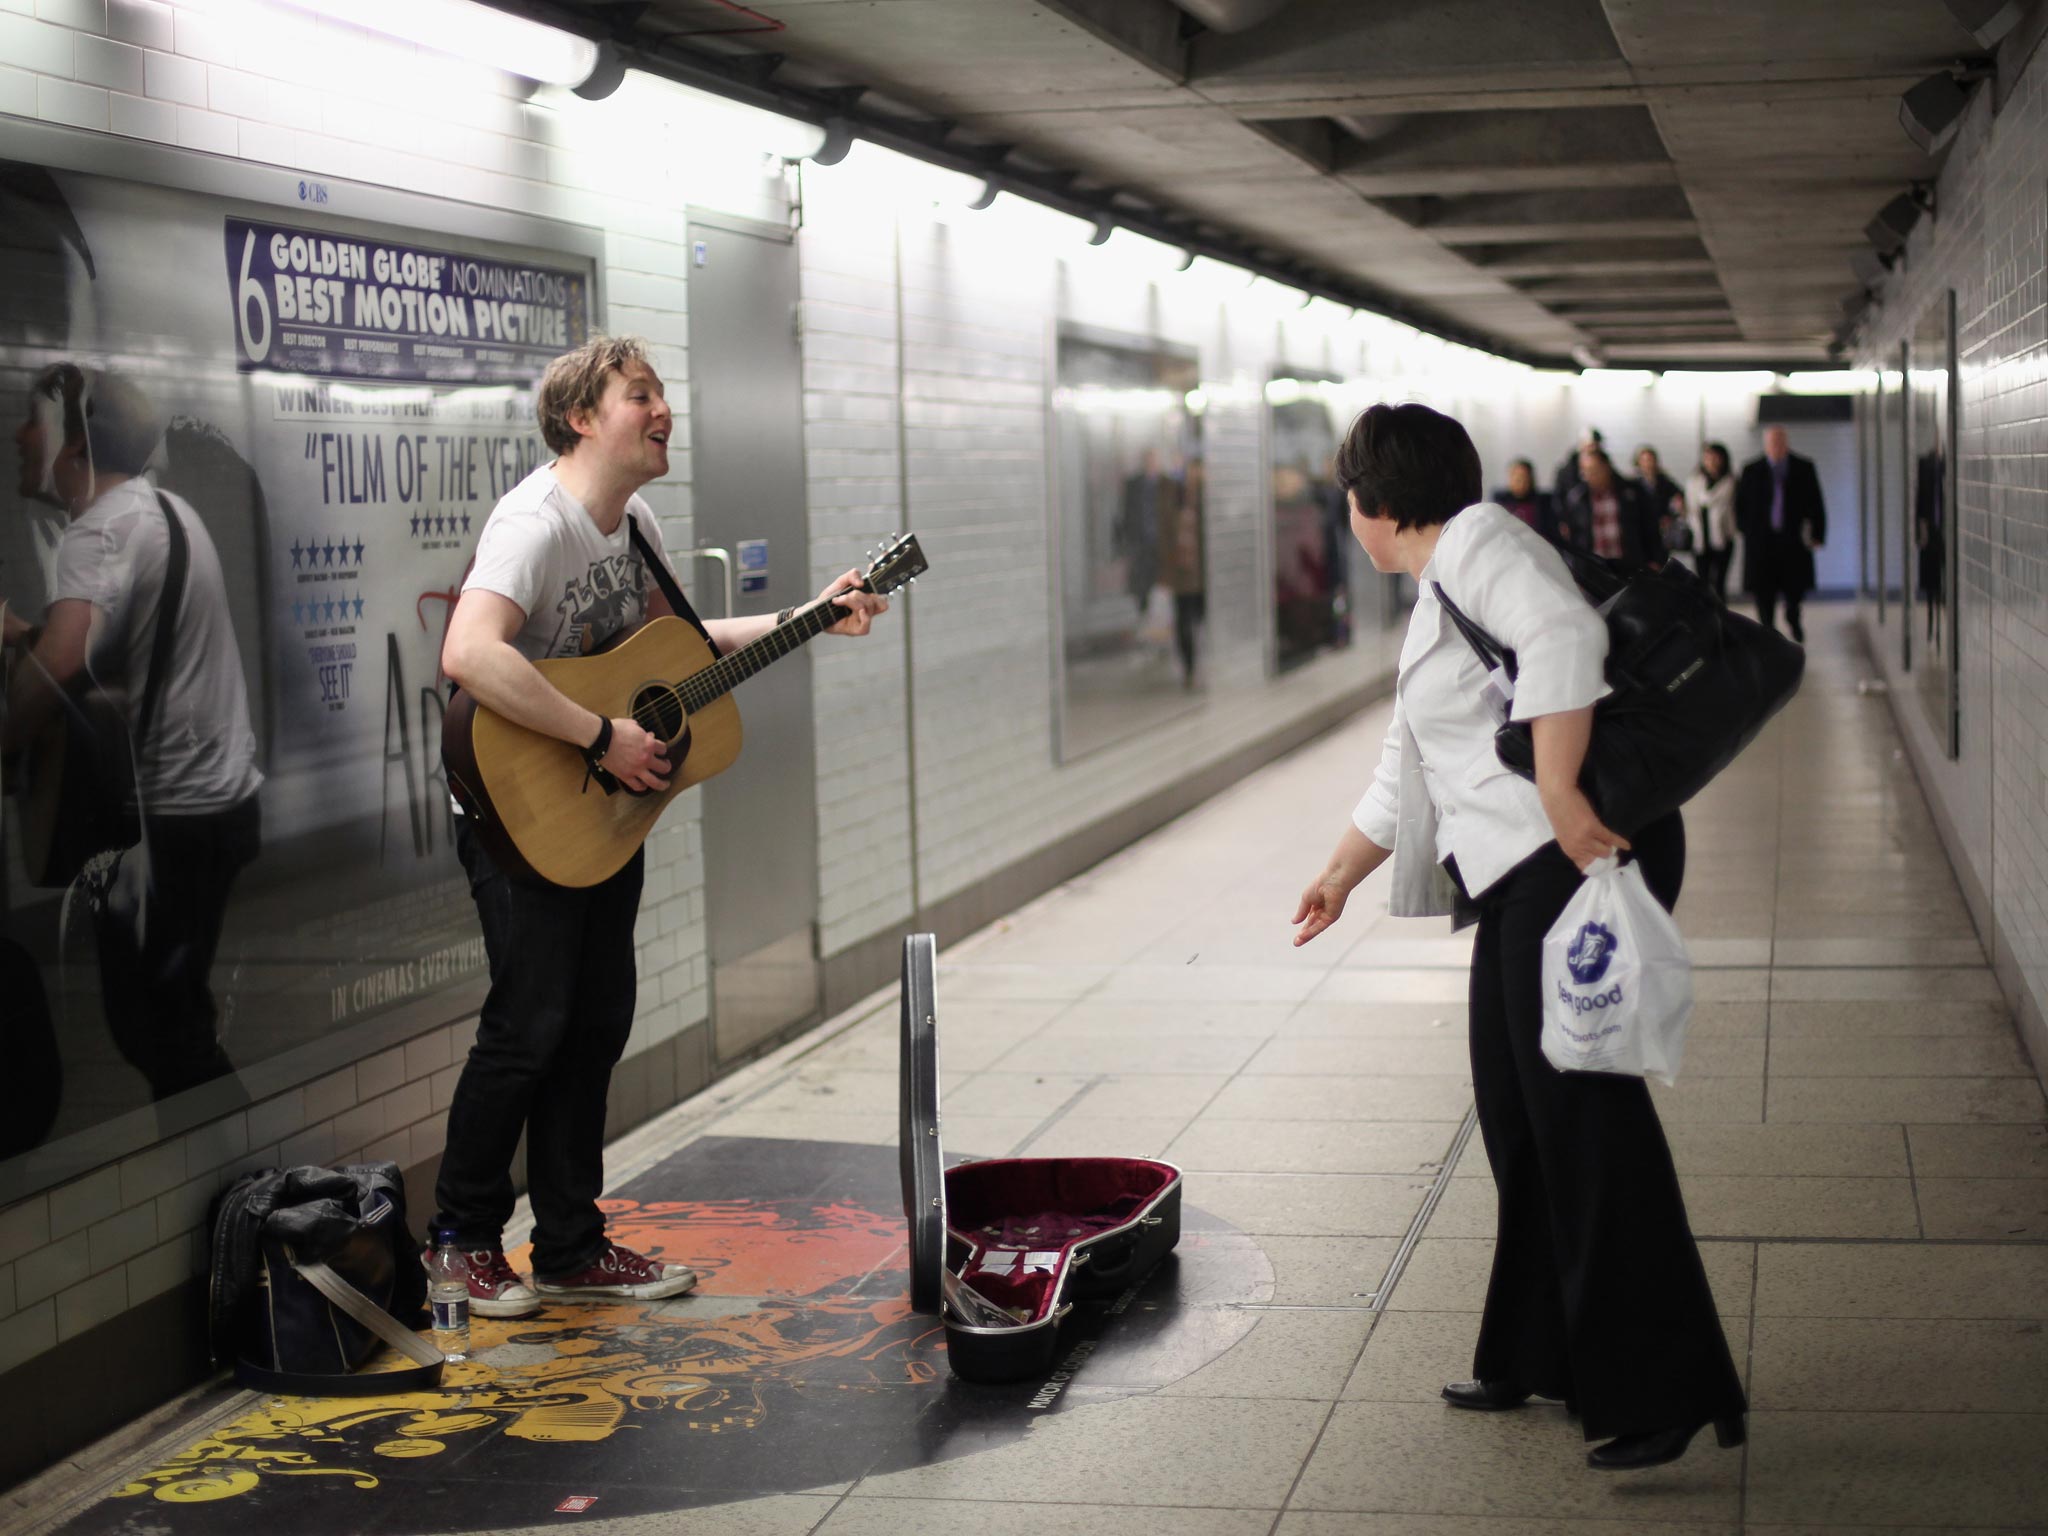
(382, 494)
(321, 302)
(342, 502)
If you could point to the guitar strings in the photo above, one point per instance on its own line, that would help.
(692, 694)
(728, 672)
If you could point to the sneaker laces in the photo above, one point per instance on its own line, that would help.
(492, 1268)
(619, 1260)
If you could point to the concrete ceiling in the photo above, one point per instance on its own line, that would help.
(1667, 181)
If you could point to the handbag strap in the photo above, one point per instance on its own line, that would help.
(1491, 652)
(329, 1283)
(658, 568)
(168, 603)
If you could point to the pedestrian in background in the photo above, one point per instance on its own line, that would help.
(1783, 520)
(1610, 516)
(1710, 515)
(1665, 498)
(1520, 496)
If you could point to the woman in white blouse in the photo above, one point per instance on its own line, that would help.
(1710, 510)
(1597, 1296)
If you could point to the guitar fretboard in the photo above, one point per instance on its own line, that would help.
(729, 671)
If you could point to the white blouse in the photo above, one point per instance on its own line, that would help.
(1440, 790)
(1711, 511)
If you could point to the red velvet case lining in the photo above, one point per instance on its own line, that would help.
(1042, 1205)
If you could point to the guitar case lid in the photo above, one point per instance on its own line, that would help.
(923, 1162)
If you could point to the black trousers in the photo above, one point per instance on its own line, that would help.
(1189, 608)
(1598, 1296)
(1713, 565)
(1767, 594)
(554, 1024)
(156, 964)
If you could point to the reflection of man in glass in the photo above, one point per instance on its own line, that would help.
(1929, 515)
(1137, 527)
(1180, 563)
(85, 445)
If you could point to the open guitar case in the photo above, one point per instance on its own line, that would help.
(1003, 1248)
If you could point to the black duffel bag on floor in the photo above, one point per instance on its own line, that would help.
(314, 1269)
(1693, 681)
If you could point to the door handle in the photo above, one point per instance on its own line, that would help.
(724, 559)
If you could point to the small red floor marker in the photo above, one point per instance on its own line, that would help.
(576, 1505)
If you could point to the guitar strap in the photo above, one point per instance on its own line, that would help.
(658, 569)
(168, 602)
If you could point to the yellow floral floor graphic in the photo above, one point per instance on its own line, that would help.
(796, 1364)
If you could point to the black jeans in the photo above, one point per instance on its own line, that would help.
(554, 1024)
(1598, 1295)
(156, 964)
(1714, 572)
(1189, 609)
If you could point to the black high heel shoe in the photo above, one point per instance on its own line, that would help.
(1631, 1453)
(1490, 1396)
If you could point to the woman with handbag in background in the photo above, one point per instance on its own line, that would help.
(1710, 513)
(1598, 1296)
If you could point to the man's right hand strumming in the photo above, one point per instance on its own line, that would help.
(636, 757)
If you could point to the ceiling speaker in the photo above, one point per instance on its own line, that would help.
(1894, 221)
(1932, 111)
(1987, 20)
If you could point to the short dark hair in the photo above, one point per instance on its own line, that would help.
(117, 422)
(1417, 463)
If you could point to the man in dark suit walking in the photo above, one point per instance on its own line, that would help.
(1779, 511)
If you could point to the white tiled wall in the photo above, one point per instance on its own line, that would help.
(339, 102)
(1986, 241)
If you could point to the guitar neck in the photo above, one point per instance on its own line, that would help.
(729, 671)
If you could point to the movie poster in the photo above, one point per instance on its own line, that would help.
(339, 407)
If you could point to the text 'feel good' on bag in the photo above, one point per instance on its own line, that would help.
(313, 1270)
(1617, 982)
(1693, 685)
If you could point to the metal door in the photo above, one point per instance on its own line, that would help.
(760, 816)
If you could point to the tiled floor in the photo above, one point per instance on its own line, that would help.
(1862, 1142)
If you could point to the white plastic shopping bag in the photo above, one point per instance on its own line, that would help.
(1617, 982)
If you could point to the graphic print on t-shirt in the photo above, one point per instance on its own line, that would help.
(610, 596)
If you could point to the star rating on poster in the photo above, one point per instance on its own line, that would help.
(438, 525)
(329, 554)
(333, 608)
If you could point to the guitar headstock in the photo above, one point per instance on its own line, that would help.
(899, 562)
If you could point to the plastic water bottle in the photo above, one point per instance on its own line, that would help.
(448, 1295)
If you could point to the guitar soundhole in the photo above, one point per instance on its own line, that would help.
(658, 709)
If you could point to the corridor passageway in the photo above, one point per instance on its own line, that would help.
(1860, 1135)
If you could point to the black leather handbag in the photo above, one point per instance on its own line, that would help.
(1693, 685)
(313, 1270)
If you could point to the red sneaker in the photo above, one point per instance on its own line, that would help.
(495, 1287)
(621, 1273)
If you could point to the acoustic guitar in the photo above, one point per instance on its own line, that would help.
(536, 806)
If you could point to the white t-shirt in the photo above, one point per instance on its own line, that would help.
(577, 587)
(201, 752)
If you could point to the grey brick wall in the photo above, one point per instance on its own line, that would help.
(1986, 241)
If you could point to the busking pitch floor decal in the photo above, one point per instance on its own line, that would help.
(796, 1365)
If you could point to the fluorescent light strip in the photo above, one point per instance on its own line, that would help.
(470, 31)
